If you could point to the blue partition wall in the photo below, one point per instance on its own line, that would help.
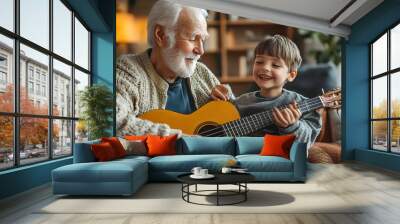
(99, 15)
(356, 86)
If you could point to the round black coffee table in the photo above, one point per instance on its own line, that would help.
(238, 179)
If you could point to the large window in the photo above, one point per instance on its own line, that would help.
(44, 64)
(7, 14)
(385, 92)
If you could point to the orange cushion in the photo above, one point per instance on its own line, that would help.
(158, 146)
(277, 145)
(116, 145)
(135, 137)
(103, 151)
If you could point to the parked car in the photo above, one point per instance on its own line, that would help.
(10, 157)
(22, 155)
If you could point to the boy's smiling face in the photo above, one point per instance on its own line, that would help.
(270, 74)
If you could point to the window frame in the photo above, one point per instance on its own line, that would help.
(16, 114)
(5, 59)
(388, 74)
(3, 70)
(3, 74)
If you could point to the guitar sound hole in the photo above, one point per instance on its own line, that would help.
(211, 130)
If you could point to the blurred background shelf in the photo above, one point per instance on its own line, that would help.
(236, 79)
(230, 47)
(213, 23)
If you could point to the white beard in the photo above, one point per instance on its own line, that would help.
(176, 61)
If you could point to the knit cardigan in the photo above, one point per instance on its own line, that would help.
(140, 89)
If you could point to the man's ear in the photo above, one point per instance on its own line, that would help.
(160, 36)
(292, 76)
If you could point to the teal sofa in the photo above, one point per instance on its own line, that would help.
(125, 176)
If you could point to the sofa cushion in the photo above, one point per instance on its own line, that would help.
(277, 145)
(111, 171)
(206, 145)
(185, 163)
(161, 145)
(116, 145)
(249, 145)
(83, 153)
(103, 151)
(131, 158)
(134, 147)
(257, 163)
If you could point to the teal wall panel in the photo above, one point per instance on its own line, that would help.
(103, 63)
(377, 158)
(24, 178)
(356, 85)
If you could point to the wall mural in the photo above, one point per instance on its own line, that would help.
(223, 75)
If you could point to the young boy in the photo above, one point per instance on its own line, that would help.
(276, 62)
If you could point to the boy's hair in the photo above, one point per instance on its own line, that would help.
(281, 47)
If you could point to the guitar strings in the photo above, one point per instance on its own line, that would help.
(213, 131)
(304, 106)
(312, 104)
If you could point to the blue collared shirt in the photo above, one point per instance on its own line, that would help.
(179, 97)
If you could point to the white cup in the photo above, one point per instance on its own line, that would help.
(226, 170)
(196, 170)
(203, 172)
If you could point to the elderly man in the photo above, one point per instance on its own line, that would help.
(168, 75)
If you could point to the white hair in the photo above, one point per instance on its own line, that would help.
(166, 13)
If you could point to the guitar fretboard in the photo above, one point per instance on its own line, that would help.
(258, 121)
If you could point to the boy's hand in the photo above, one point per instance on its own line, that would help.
(285, 117)
(220, 92)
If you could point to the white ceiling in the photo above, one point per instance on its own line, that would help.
(314, 15)
(320, 9)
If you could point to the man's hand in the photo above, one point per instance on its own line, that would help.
(285, 117)
(220, 92)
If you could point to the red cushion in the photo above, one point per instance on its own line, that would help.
(277, 145)
(158, 146)
(103, 151)
(116, 145)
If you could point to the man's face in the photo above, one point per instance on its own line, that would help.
(187, 46)
(270, 73)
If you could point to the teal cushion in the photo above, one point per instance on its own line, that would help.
(206, 145)
(249, 145)
(133, 158)
(83, 153)
(111, 171)
(185, 163)
(257, 163)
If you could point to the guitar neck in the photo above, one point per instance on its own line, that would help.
(255, 122)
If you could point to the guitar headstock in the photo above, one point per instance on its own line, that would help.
(332, 99)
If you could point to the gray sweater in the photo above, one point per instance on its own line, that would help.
(306, 129)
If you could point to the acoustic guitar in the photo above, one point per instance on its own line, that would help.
(221, 118)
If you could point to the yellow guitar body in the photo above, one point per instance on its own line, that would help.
(215, 118)
(213, 113)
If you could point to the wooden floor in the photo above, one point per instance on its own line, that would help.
(378, 188)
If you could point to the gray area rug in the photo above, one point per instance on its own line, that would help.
(166, 198)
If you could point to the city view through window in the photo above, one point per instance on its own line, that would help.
(385, 79)
(39, 113)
